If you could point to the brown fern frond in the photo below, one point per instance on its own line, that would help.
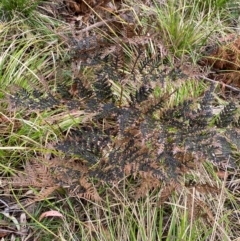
(35, 174)
(225, 57)
(198, 208)
(225, 60)
(167, 191)
(129, 30)
(147, 184)
(45, 193)
(90, 192)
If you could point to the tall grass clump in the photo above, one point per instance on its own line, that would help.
(213, 4)
(30, 50)
(10, 8)
(184, 26)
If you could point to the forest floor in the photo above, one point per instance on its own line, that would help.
(120, 120)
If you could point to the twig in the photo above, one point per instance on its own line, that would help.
(217, 82)
(95, 25)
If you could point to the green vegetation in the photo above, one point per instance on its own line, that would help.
(10, 8)
(118, 84)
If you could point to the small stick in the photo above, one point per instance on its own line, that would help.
(95, 25)
(217, 82)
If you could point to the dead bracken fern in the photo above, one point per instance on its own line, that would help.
(35, 174)
(50, 176)
(133, 131)
(225, 61)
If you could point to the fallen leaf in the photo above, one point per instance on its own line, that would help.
(51, 213)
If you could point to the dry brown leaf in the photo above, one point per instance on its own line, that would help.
(51, 213)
